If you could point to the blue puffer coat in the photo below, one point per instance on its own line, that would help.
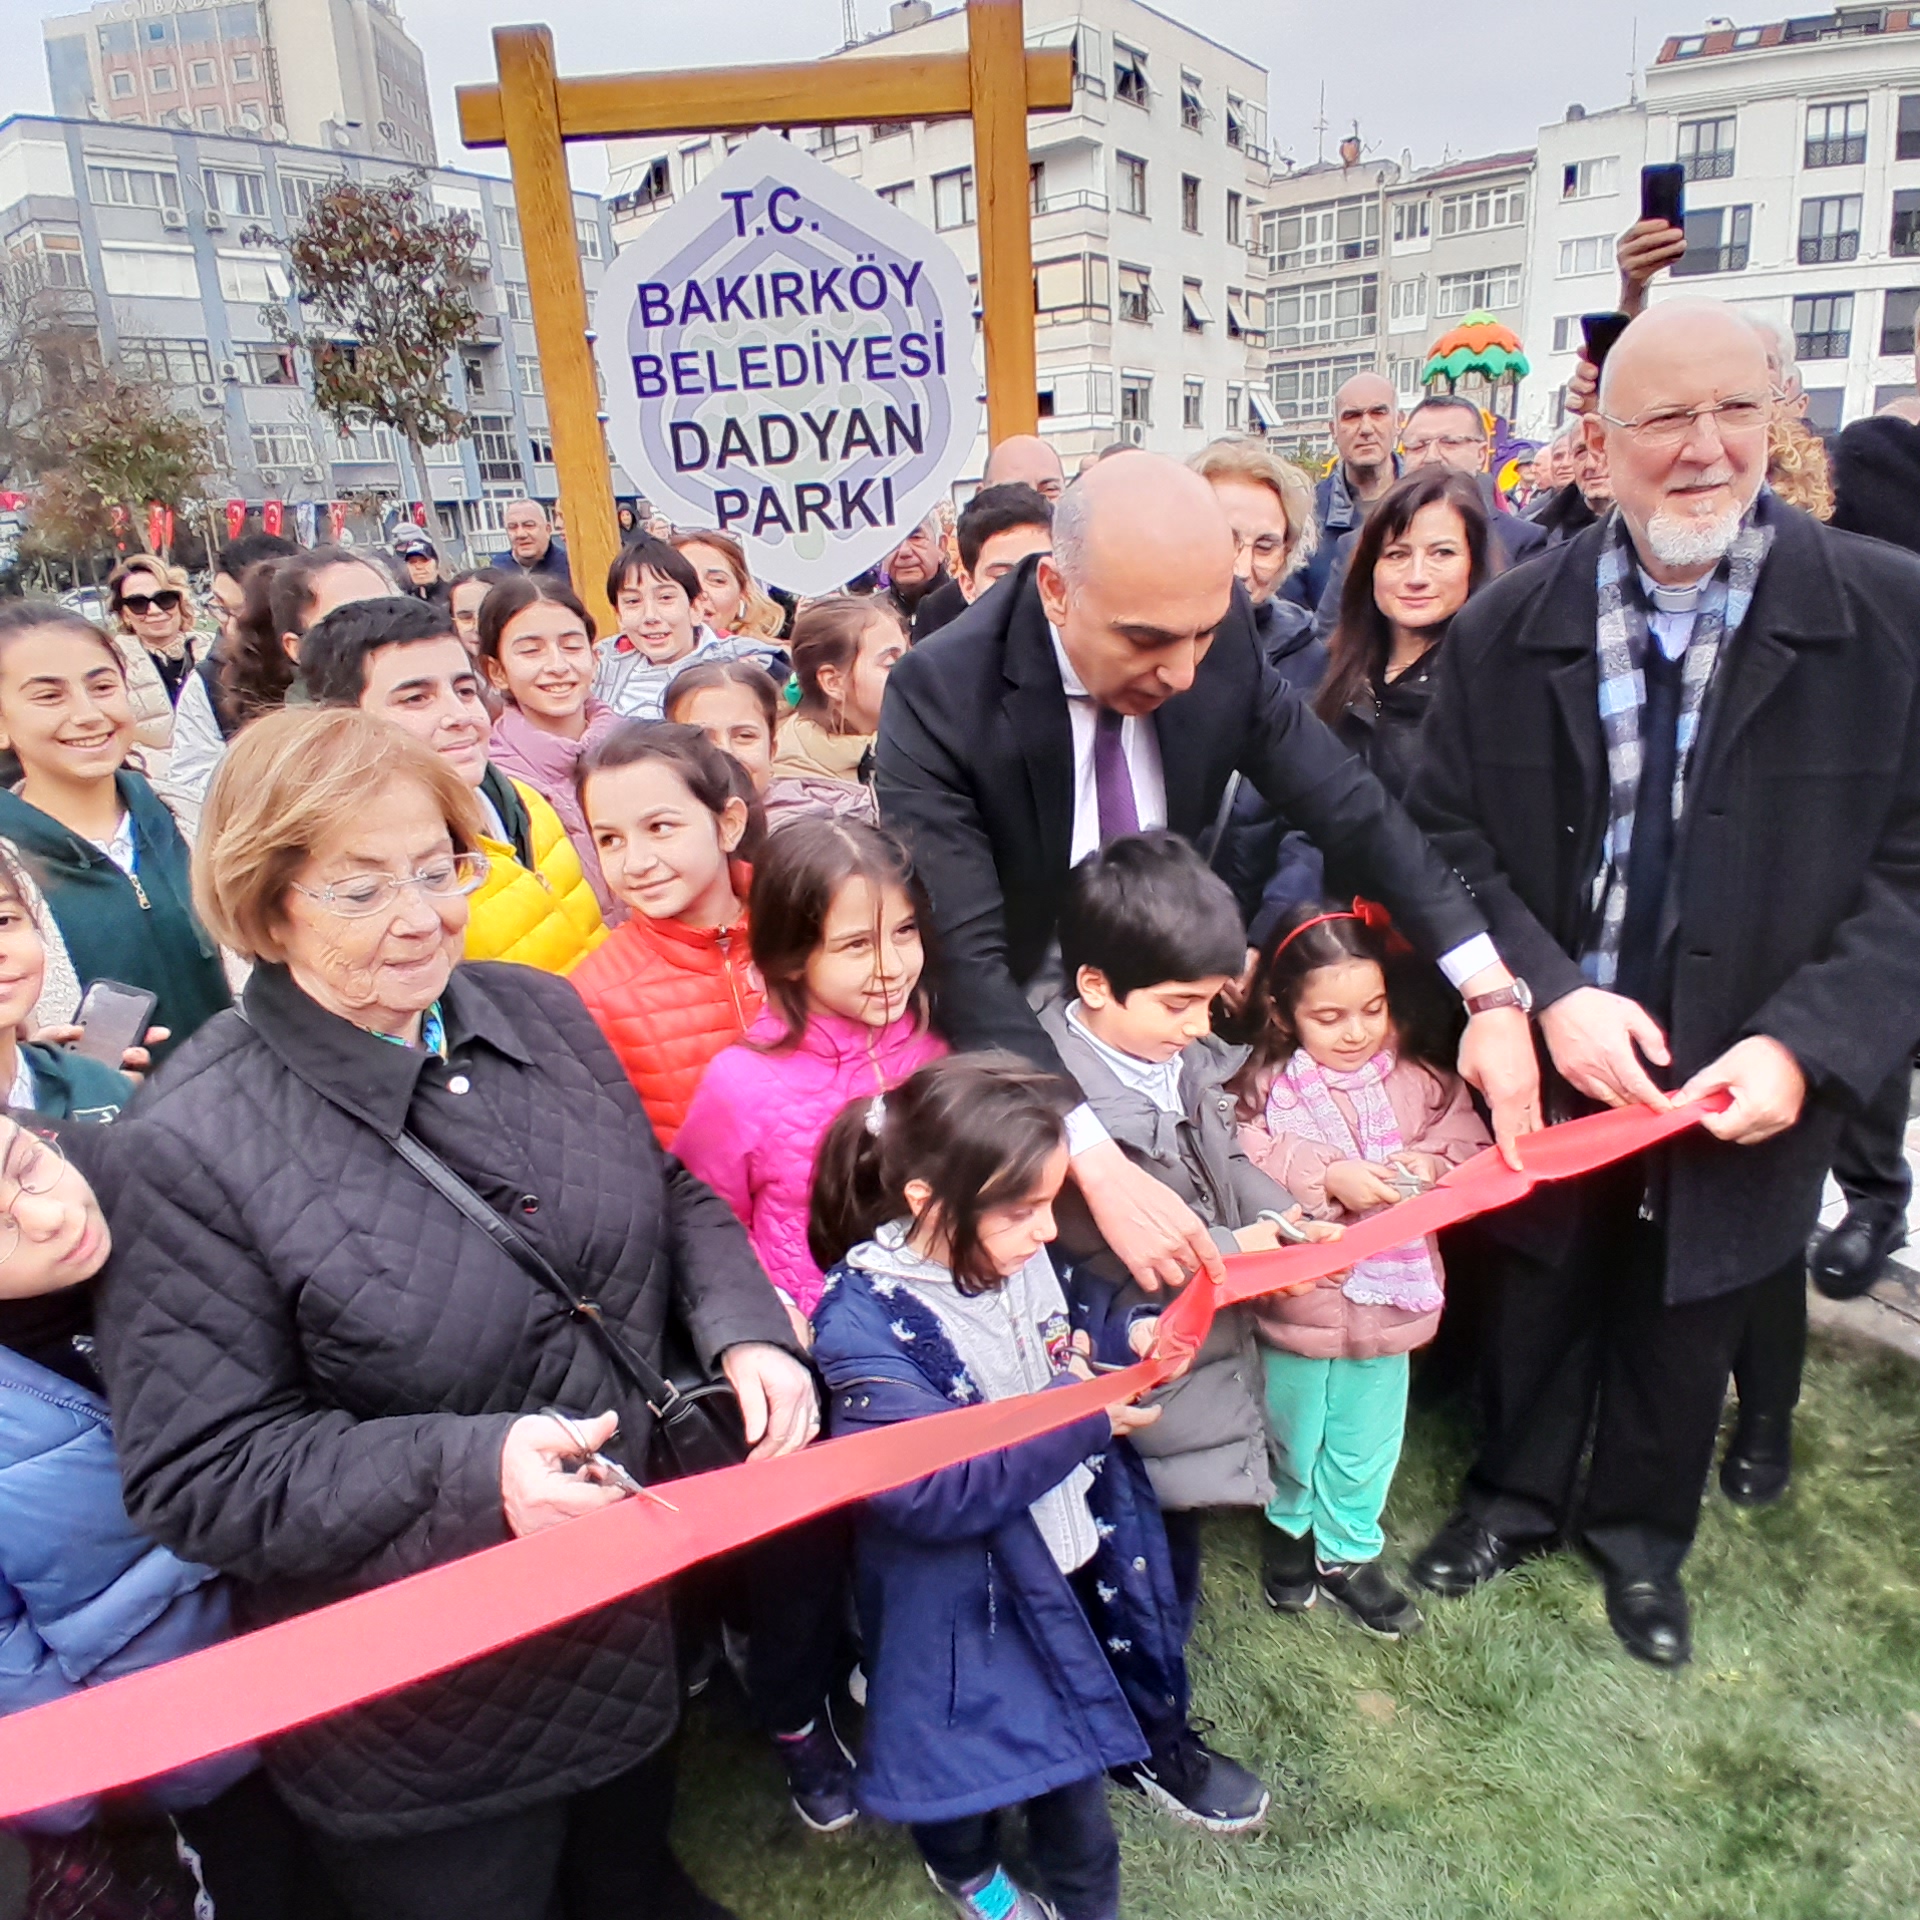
(986, 1681)
(83, 1597)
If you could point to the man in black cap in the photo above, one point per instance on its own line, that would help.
(421, 561)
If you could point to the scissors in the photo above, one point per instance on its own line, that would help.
(613, 1473)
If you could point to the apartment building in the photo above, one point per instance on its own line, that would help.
(151, 232)
(1370, 261)
(1801, 144)
(338, 74)
(1149, 280)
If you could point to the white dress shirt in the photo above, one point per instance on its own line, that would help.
(1159, 1081)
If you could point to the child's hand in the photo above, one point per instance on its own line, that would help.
(1141, 1335)
(1262, 1237)
(1130, 1419)
(801, 1325)
(1080, 1362)
(1360, 1186)
(1319, 1231)
(1427, 1168)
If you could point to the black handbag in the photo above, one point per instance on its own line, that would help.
(696, 1427)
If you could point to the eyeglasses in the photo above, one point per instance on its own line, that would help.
(1452, 442)
(1670, 426)
(33, 1165)
(1263, 546)
(167, 600)
(363, 897)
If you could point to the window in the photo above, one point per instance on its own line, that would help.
(202, 73)
(1193, 404)
(1132, 173)
(1321, 236)
(159, 79)
(1235, 235)
(654, 185)
(1136, 294)
(1189, 203)
(587, 232)
(509, 219)
(1897, 316)
(1246, 129)
(281, 443)
(900, 196)
(1485, 207)
(1236, 403)
(267, 366)
(953, 199)
(1907, 136)
(1193, 109)
(160, 272)
(1303, 392)
(244, 67)
(1412, 221)
(1324, 310)
(298, 192)
(1407, 303)
(1246, 317)
(1717, 241)
(123, 88)
(168, 363)
(132, 186)
(518, 299)
(1074, 288)
(251, 277)
(1136, 400)
(250, 115)
(1194, 317)
(1837, 134)
(210, 119)
(1822, 326)
(527, 369)
(1590, 179)
(540, 443)
(697, 162)
(1905, 238)
(1591, 254)
(236, 193)
(1567, 337)
(1485, 287)
(1405, 374)
(364, 445)
(36, 259)
(493, 446)
(884, 130)
(1830, 229)
(1130, 75)
(157, 32)
(1705, 148)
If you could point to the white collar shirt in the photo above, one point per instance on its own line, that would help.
(1138, 741)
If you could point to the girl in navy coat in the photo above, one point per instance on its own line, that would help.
(989, 1683)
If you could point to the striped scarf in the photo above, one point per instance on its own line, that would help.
(1623, 643)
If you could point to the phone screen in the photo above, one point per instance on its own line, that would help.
(1598, 332)
(113, 1018)
(1663, 194)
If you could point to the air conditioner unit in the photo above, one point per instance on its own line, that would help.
(309, 473)
(173, 219)
(210, 396)
(269, 476)
(1132, 432)
(215, 219)
(229, 370)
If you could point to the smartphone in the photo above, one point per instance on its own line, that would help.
(1599, 331)
(1663, 194)
(113, 1018)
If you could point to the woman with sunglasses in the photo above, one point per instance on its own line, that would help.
(156, 644)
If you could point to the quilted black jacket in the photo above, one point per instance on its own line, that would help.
(313, 1359)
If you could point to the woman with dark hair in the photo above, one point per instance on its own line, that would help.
(736, 704)
(844, 646)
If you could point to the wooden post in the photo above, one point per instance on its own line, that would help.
(543, 196)
(996, 57)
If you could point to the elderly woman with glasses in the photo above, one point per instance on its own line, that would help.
(155, 639)
(326, 1376)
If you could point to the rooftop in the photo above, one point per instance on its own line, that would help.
(1844, 23)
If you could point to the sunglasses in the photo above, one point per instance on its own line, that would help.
(167, 600)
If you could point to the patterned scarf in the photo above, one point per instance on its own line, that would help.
(1301, 1101)
(1623, 643)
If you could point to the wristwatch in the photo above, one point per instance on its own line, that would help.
(1515, 994)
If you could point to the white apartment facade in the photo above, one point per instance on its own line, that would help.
(1801, 140)
(1149, 281)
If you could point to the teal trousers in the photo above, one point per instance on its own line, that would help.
(1337, 1427)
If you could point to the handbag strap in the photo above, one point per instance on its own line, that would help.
(659, 1391)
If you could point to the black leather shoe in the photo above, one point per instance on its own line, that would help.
(1652, 1620)
(1759, 1462)
(1848, 1258)
(1464, 1555)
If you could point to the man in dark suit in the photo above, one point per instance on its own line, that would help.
(1678, 761)
(1114, 685)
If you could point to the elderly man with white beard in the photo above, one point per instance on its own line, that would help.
(1677, 761)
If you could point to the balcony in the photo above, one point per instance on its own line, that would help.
(1711, 260)
(1850, 150)
(1714, 165)
(1827, 249)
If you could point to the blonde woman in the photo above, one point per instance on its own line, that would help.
(732, 601)
(153, 634)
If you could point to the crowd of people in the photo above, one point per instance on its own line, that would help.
(887, 1002)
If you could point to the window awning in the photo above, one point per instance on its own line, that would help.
(1194, 303)
(1261, 408)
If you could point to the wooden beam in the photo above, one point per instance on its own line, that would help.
(812, 93)
(543, 197)
(1003, 202)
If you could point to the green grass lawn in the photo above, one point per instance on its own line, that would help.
(1512, 1760)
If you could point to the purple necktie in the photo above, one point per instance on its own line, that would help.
(1112, 780)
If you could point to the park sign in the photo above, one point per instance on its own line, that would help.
(789, 358)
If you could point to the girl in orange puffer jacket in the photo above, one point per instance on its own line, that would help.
(676, 983)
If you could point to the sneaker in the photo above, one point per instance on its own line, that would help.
(1194, 1784)
(1365, 1594)
(1286, 1570)
(993, 1897)
(819, 1774)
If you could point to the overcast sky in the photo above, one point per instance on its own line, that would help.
(1443, 81)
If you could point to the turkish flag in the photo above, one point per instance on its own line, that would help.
(156, 527)
(271, 516)
(419, 513)
(336, 520)
(236, 518)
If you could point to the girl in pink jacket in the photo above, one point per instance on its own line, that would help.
(1339, 1113)
(836, 916)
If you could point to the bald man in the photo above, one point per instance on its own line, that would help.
(1118, 684)
(1026, 460)
(1678, 760)
(1366, 429)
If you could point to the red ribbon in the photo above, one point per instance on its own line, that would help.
(250, 1688)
